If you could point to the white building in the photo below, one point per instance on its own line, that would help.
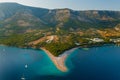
(77, 44)
(97, 40)
(115, 40)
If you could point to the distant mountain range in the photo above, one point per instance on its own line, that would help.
(18, 18)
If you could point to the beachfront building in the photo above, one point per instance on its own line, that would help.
(115, 40)
(97, 40)
(77, 44)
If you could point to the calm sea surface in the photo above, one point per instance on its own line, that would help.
(98, 63)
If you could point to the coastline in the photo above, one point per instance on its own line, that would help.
(59, 61)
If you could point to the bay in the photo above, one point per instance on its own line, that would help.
(97, 63)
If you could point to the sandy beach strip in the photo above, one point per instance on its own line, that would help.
(60, 60)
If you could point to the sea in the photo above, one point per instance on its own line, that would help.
(95, 63)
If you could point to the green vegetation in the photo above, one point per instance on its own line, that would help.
(22, 25)
(19, 40)
(65, 42)
(56, 48)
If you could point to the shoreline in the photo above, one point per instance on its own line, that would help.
(59, 61)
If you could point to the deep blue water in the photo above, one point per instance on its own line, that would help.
(97, 63)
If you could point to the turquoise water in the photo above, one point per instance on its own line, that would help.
(13, 61)
(98, 63)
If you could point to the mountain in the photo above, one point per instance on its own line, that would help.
(56, 30)
(20, 17)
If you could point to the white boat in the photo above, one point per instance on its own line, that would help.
(26, 66)
(22, 78)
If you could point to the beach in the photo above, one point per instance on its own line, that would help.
(60, 60)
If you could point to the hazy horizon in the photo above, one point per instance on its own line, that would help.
(78, 5)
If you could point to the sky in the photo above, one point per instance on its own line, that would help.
(72, 4)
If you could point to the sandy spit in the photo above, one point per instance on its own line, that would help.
(60, 60)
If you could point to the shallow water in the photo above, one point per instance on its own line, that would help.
(100, 63)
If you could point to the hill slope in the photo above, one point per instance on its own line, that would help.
(14, 13)
(55, 29)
